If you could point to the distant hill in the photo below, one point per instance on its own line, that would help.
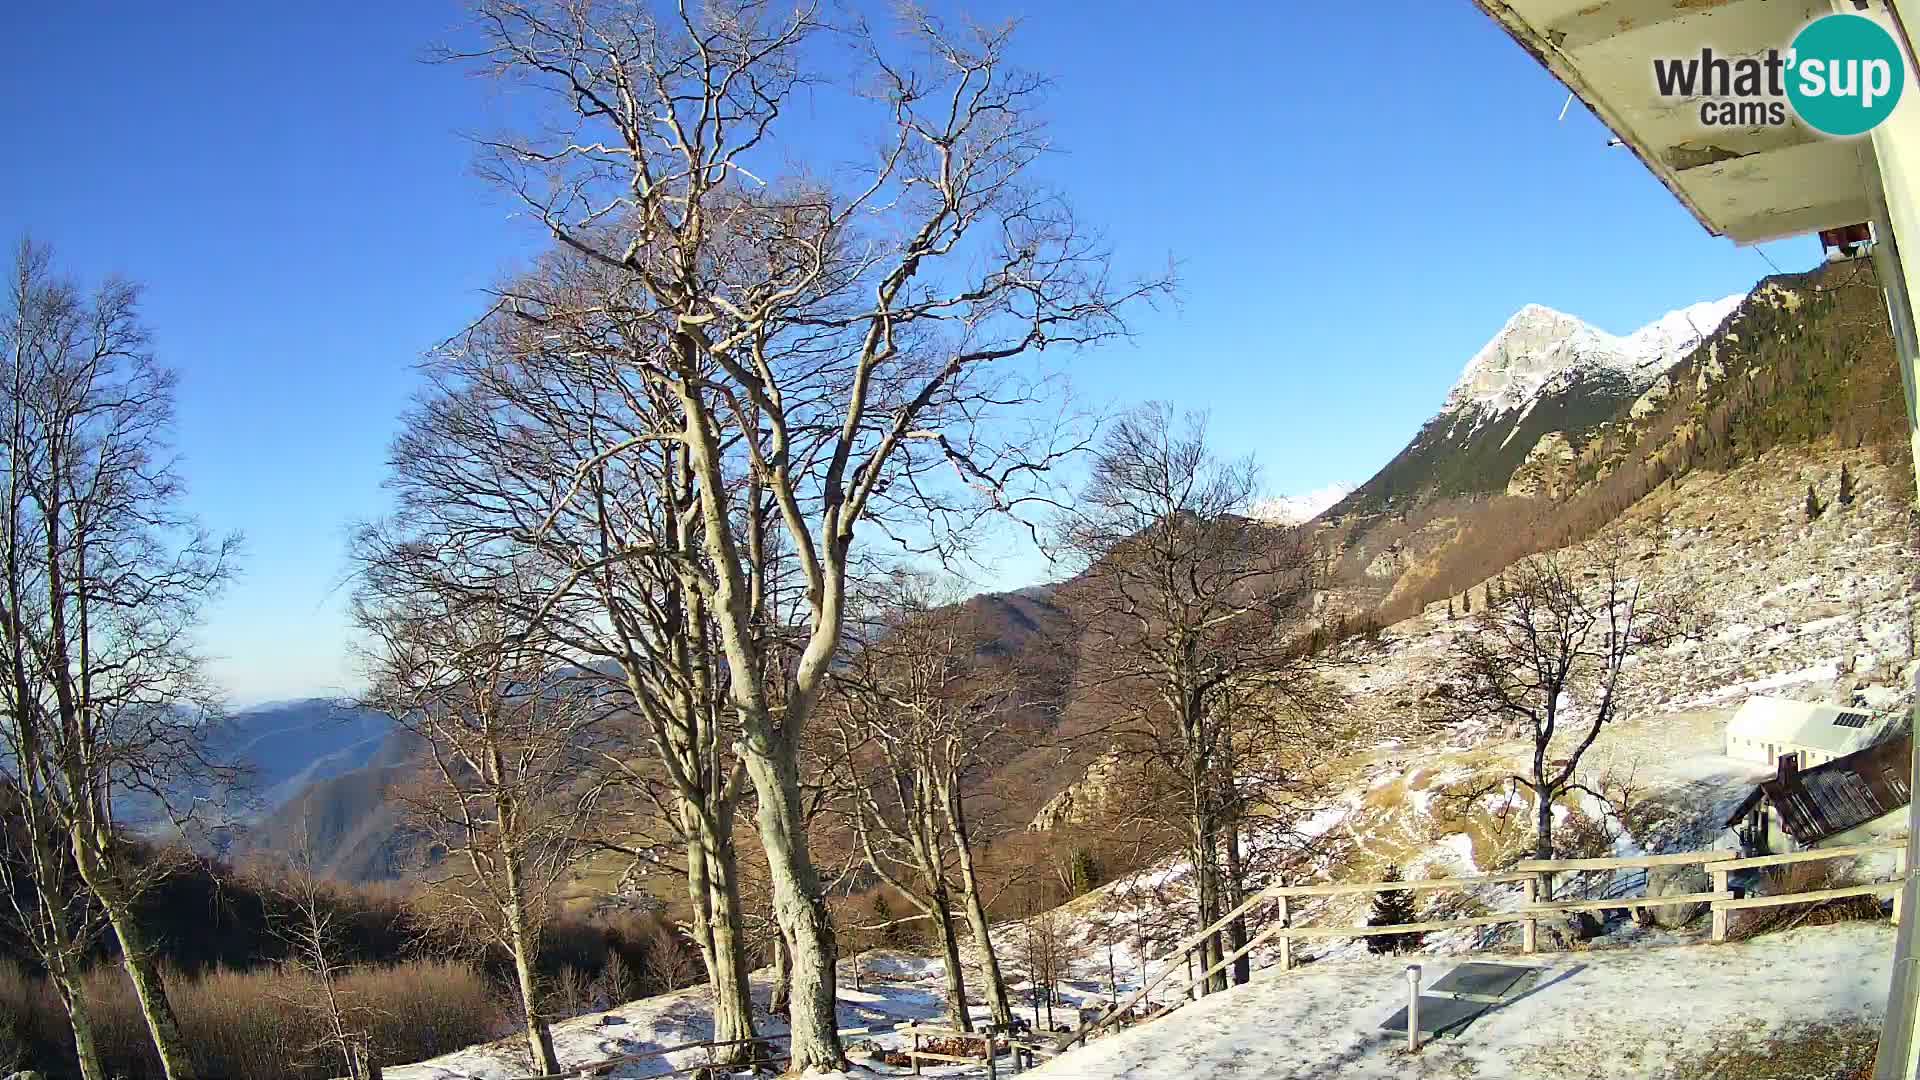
(287, 746)
(350, 825)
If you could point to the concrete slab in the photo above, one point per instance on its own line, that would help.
(1438, 1015)
(1481, 980)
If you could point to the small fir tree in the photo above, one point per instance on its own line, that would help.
(1393, 908)
(891, 935)
(1466, 601)
(1846, 485)
(1449, 609)
(1814, 506)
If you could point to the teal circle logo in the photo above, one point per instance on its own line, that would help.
(1846, 74)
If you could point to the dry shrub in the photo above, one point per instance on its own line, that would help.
(1798, 878)
(33, 1027)
(954, 1047)
(243, 1024)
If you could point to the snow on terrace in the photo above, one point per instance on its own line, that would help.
(1619, 1013)
(897, 988)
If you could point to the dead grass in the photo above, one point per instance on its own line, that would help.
(1838, 1051)
(249, 1024)
(1802, 877)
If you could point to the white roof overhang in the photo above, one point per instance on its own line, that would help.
(1746, 183)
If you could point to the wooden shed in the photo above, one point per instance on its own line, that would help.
(1852, 799)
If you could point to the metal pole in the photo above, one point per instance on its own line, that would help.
(1899, 1050)
(1413, 1007)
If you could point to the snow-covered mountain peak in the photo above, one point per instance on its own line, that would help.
(1300, 509)
(1541, 349)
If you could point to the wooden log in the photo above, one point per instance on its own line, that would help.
(1283, 917)
(1627, 863)
(1814, 855)
(1876, 889)
(1530, 930)
(1347, 888)
(1630, 902)
(1720, 873)
(1400, 928)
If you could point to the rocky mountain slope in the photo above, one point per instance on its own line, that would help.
(1544, 372)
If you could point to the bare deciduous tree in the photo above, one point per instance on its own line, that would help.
(922, 706)
(506, 729)
(105, 579)
(1193, 627)
(1549, 653)
(836, 341)
(516, 414)
(309, 928)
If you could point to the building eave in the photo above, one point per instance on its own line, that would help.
(1747, 184)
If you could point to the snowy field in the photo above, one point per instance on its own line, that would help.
(1615, 1013)
(1589, 1014)
(896, 987)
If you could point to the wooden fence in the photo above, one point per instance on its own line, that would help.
(1536, 878)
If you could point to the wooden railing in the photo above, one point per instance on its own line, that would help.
(1535, 876)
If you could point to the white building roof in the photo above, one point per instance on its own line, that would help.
(1750, 184)
(1833, 729)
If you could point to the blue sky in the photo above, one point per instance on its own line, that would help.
(1357, 197)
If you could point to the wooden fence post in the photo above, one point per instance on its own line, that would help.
(1530, 929)
(1719, 912)
(1286, 941)
(993, 1070)
(916, 1053)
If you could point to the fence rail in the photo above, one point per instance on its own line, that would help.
(1536, 876)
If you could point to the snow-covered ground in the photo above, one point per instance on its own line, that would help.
(1613, 1012)
(1616, 1013)
(1811, 610)
(895, 987)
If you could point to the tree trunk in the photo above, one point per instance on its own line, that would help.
(983, 941)
(800, 909)
(779, 1001)
(137, 956)
(950, 958)
(544, 1062)
(1543, 825)
(1236, 892)
(713, 888)
(522, 943)
(86, 1049)
(1206, 873)
(977, 912)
